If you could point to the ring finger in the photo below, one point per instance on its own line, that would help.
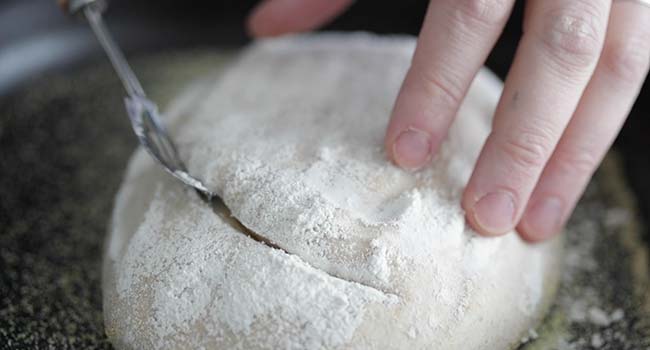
(606, 102)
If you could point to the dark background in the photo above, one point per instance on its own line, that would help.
(149, 26)
(36, 40)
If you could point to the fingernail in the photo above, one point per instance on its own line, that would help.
(495, 212)
(412, 149)
(544, 218)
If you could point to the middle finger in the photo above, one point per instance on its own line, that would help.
(556, 57)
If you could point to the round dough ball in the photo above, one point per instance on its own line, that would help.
(368, 256)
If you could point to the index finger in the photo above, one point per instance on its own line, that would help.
(456, 37)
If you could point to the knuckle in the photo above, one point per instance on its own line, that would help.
(574, 36)
(484, 12)
(579, 161)
(527, 149)
(627, 59)
(437, 86)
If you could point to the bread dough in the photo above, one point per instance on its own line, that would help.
(372, 257)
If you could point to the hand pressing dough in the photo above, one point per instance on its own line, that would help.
(372, 257)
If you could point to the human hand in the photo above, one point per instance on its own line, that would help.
(578, 69)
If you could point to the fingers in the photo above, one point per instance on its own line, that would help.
(556, 57)
(455, 40)
(606, 102)
(277, 17)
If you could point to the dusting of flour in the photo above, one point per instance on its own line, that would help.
(372, 256)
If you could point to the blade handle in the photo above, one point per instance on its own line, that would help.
(73, 7)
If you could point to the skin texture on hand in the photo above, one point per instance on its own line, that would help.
(577, 71)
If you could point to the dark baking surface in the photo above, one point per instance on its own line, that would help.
(60, 166)
(59, 171)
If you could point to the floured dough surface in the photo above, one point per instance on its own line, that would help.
(372, 257)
